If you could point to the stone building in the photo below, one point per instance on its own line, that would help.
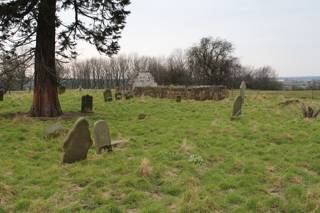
(144, 79)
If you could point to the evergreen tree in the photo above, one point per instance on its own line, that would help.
(38, 24)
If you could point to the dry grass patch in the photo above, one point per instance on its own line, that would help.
(145, 168)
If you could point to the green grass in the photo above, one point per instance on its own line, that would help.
(266, 161)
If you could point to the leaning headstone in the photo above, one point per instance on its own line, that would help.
(53, 130)
(61, 89)
(102, 139)
(107, 94)
(86, 104)
(118, 96)
(237, 107)
(1, 94)
(77, 143)
(243, 87)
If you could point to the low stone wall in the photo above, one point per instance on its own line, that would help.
(200, 93)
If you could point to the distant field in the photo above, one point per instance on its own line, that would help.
(267, 161)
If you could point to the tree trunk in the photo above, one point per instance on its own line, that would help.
(45, 95)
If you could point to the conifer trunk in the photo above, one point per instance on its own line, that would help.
(45, 95)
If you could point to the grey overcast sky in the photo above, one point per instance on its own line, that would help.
(282, 33)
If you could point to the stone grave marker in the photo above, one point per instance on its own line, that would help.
(243, 87)
(1, 94)
(77, 142)
(102, 139)
(128, 95)
(61, 90)
(53, 130)
(118, 96)
(142, 116)
(107, 94)
(237, 107)
(86, 104)
(144, 79)
(178, 99)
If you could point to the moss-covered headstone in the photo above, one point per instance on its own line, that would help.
(1, 94)
(86, 104)
(118, 96)
(102, 139)
(61, 90)
(107, 94)
(77, 142)
(128, 95)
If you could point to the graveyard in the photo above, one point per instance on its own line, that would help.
(167, 155)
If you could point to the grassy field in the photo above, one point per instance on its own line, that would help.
(200, 160)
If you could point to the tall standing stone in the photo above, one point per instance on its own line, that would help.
(86, 104)
(1, 94)
(107, 94)
(237, 107)
(77, 143)
(102, 139)
(243, 87)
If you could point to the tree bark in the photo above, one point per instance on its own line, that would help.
(45, 95)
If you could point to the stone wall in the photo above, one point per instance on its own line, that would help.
(200, 93)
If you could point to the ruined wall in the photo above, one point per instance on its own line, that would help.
(199, 93)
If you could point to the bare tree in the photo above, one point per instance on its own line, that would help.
(211, 61)
(13, 72)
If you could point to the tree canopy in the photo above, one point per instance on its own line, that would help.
(42, 26)
(98, 22)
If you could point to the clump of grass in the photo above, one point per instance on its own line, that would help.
(268, 161)
(184, 148)
(142, 116)
(145, 168)
(196, 159)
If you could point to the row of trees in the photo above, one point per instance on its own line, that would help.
(211, 62)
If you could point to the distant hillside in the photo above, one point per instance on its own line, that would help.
(303, 78)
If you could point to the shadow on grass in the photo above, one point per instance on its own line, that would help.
(27, 116)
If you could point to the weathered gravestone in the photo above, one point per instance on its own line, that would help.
(142, 116)
(118, 96)
(178, 99)
(237, 107)
(86, 104)
(1, 94)
(53, 130)
(102, 139)
(107, 94)
(77, 143)
(128, 95)
(243, 87)
(61, 90)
